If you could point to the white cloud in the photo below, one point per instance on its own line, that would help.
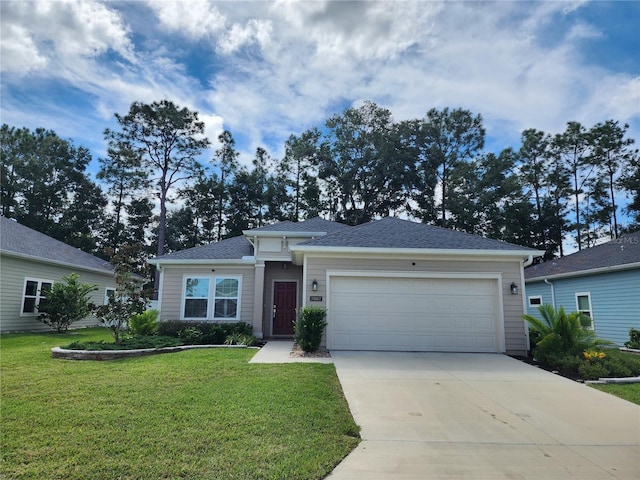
(195, 19)
(19, 52)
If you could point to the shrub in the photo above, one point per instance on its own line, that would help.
(209, 333)
(66, 303)
(593, 370)
(561, 334)
(634, 339)
(309, 328)
(127, 344)
(144, 324)
(240, 339)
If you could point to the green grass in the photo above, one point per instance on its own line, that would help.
(628, 391)
(204, 414)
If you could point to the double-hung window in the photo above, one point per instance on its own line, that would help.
(583, 305)
(226, 296)
(33, 294)
(211, 298)
(196, 297)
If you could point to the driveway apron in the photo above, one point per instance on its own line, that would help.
(481, 416)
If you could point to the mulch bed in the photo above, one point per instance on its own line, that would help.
(297, 352)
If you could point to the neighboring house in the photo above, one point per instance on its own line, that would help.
(29, 261)
(602, 281)
(389, 284)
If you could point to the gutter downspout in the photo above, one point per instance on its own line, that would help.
(553, 293)
(528, 261)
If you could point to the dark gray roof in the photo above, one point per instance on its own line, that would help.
(622, 251)
(230, 249)
(21, 240)
(315, 224)
(393, 232)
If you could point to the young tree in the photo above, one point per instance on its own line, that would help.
(66, 303)
(130, 298)
(167, 139)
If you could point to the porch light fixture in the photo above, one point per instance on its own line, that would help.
(514, 288)
(314, 285)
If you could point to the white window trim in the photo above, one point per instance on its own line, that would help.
(211, 298)
(106, 294)
(40, 281)
(239, 298)
(534, 297)
(588, 295)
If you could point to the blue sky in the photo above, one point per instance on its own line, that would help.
(265, 70)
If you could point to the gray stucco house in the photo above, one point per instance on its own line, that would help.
(389, 284)
(30, 262)
(602, 282)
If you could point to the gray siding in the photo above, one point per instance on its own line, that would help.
(615, 299)
(514, 327)
(172, 284)
(13, 272)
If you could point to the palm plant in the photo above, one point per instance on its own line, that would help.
(562, 333)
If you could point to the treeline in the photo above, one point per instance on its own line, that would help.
(357, 166)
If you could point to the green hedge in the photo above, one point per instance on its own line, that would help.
(203, 333)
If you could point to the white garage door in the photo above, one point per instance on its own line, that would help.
(413, 314)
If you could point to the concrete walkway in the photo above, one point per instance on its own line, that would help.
(481, 416)
(277, 351)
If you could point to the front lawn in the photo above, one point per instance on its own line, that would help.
(628, 391)
(204, 414)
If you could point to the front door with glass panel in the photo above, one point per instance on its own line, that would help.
(285, 296)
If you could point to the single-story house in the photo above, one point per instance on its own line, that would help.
(389, 284)
(602, 282)
(30, 262)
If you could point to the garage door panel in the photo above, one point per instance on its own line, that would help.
(416, 314)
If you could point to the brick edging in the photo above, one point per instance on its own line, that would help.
(57, 352)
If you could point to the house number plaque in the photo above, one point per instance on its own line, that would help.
(315, 298)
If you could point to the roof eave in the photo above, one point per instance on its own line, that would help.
(582, 273)
(49, 261)
(417, 251)
(282, 233)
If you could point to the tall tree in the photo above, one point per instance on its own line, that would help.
(168, 140)
(611, 151)
(227, 161)
(450, 137)
(124, 176)
(572, 147)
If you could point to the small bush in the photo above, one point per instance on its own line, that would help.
(66, 303)
(144, 324)
(210, 333)
(634, 339)
(240, 339)
(309, 328)
(133, 343)
(592, 370)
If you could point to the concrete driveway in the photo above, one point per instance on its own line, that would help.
(481, 416)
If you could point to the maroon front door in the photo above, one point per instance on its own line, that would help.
(285, 296)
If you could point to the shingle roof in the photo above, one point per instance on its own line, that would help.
(621, 251)
(393, 232)
(18, 239)
(315, 224)
(230, 249)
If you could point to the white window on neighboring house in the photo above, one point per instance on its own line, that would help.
(196, 298)
(34, 292)
(109, 293)
(535, 301)
(227, 299)
(583, 305)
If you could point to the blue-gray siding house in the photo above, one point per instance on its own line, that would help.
(602, 282)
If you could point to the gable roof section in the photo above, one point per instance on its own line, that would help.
(20, 241)
(235, 248)
(394, 233)
(618, 254)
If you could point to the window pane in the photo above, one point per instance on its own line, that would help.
(29, 305)
(197, 287)
(225, 308)
(44, 289)
(31, 288)
(227, 287)
(583, 302)
(195, 308)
